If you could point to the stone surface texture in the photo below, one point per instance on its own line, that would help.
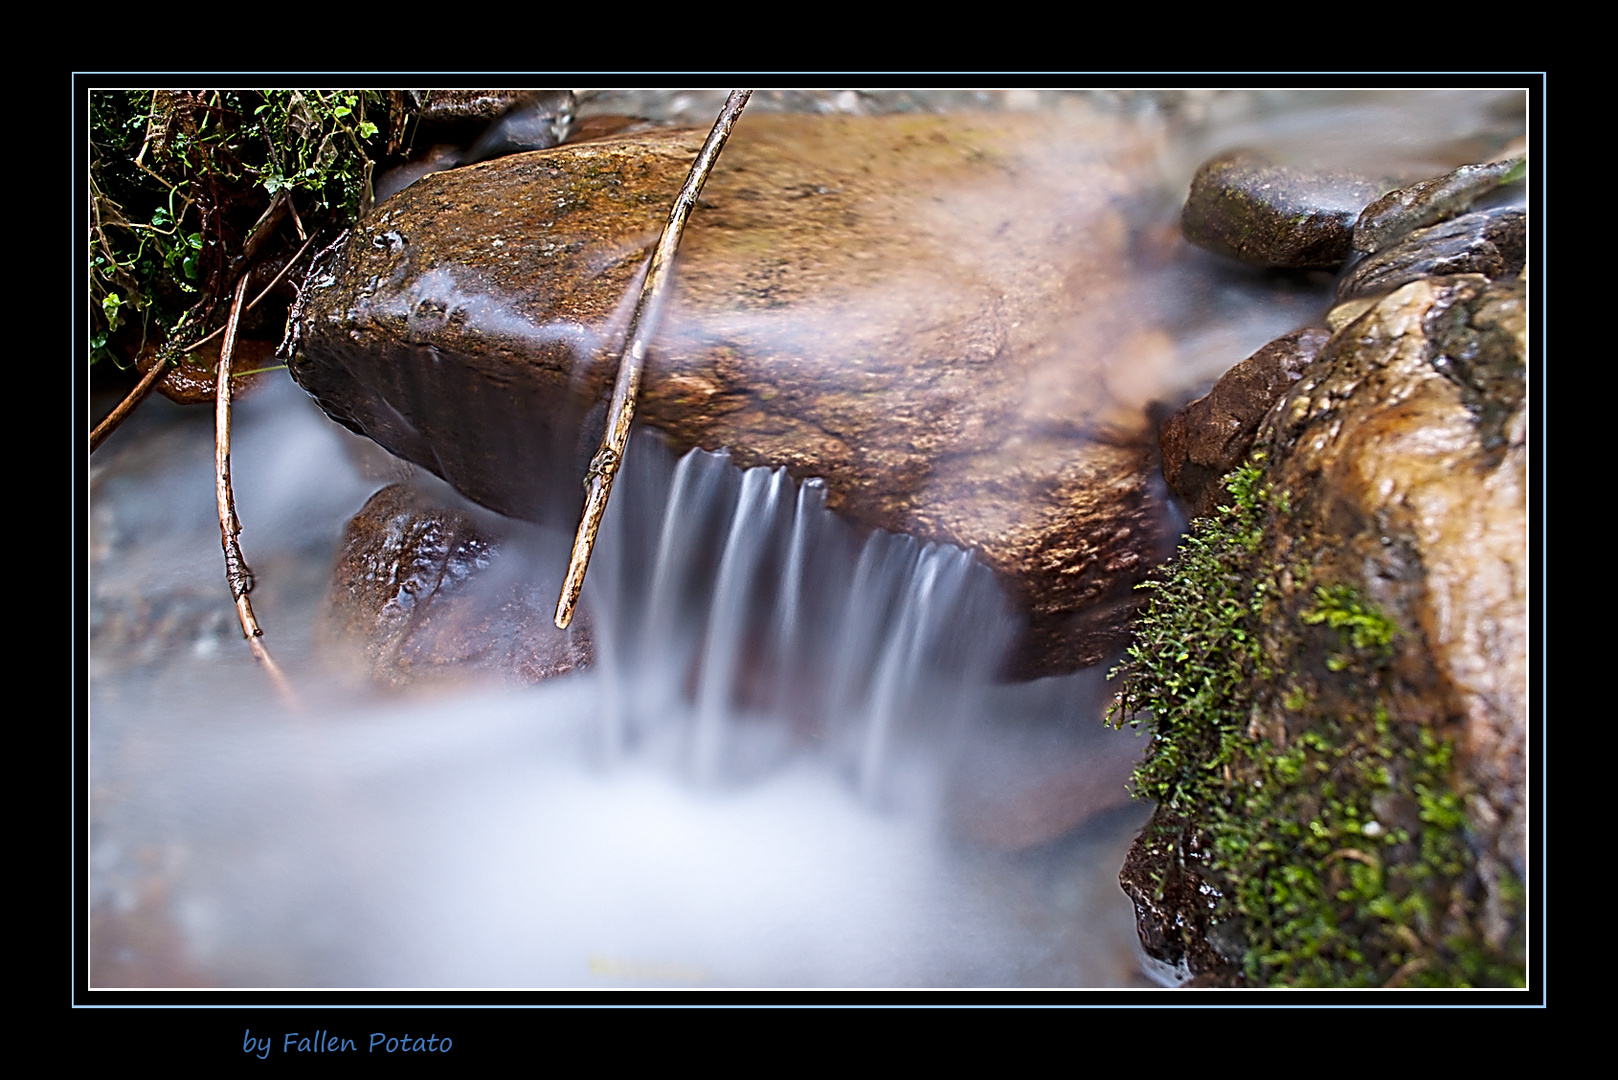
(1212, 435)
(1405, 445)
(420, 593)
(931, 313)
(1429, 202)
(1491, 243)
(1266, 214)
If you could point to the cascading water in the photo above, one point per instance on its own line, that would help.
(786, 767)
(757, 605)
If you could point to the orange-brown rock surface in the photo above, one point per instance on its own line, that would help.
(932, 313)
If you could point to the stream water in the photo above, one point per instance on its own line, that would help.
(789, 766)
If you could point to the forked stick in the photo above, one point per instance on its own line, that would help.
(642, 327)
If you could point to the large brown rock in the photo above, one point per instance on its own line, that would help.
(932, 313)
(1406, 451)
(1340, 748)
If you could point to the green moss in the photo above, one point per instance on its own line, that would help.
(1334, 834)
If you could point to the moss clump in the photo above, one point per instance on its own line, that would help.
(1328, 834)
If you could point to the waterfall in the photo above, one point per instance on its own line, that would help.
(737, 614)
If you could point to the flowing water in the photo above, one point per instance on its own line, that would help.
(789, 766)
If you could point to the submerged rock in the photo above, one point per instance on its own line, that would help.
(1249, 208)
(1338, 669)
(1212, 435)
(419, 593)
(931, 313)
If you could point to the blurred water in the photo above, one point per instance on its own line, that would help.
(786, 819)
(789, 767)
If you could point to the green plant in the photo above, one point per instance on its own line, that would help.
(181, 183)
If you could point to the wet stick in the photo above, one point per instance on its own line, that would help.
(642, 327)
(237, 573)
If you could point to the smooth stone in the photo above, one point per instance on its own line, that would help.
(1249, 208)
(1212, 435)
(1492, 243)
(423, 593)
(931, 313)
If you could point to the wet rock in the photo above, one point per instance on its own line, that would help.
(1212, 435)
(460, 117)
(1406, 452)
(193, 380)
(1387, 579)
(1177, 906)
(425, 593)
(885, 302)
(464, 127)
(1491, 243)
(1248, 208)
(1430, 202)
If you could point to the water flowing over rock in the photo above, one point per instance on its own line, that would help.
(929, 313)
(1391, 602)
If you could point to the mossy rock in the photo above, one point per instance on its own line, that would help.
(1335, 668)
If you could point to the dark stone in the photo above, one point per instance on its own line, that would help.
(1212, 435)
(1176, 903)
(535, 121)
(1491, 243)
(427, 593)
(960, 375)
(1429, 202)
(464, 127)
(1248, 208)
(459, 117)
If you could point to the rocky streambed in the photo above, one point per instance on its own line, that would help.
(975, 333)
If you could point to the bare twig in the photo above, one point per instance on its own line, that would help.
(642, 327)
(127, 406)
(237, 573)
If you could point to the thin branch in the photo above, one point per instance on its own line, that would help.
(237, 573)
(127, 406)
(642, 327)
